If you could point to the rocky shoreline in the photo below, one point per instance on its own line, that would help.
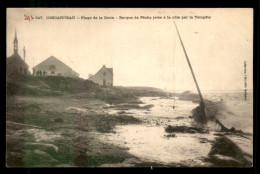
(72, 129)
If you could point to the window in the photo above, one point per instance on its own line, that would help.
(21, 69)
(104, 73)
(52, 67)
(52, 72)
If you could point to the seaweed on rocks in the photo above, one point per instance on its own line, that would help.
(185, 129)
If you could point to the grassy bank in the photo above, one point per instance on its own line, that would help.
(17, 84)
(56, 121)
(72, 131)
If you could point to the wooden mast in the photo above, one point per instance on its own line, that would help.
(202, 104)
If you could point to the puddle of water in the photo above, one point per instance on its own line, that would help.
(149, 144)
(162, 108)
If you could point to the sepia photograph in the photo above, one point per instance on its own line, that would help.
(121, 87)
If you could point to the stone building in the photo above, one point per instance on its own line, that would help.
(53, 67)
(14, 63)
(103, 77)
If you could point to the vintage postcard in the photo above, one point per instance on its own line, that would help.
(119, 87)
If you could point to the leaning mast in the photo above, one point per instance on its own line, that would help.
(193, 75)
(202, 103)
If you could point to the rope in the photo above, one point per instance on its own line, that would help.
(173, 71)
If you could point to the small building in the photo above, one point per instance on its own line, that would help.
(14, 63)
(103, 77)
(53, 67)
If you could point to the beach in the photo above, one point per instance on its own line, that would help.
(72, 130)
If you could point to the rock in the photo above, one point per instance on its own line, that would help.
(44, 156)
(223, 157)
(233, 130)
(48, 148)
(14, 142)
(157, 124)
(225, 146)
(218, 134)
(191, 131)
(18, 155)
(224, 161)
(225, 152)
(204, 140)
(14, 159)
(180, 117)
(65, 165)
(169, 129)
(9, 132)
(107, 105)
(185, 129)
(38, 158)
(170, 135)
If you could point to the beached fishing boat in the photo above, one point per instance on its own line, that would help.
(207, 110)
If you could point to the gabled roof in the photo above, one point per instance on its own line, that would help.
(110, 69)
(52, 58)
(16, 59)
(104, 67)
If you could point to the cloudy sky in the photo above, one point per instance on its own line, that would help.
(143, 52)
